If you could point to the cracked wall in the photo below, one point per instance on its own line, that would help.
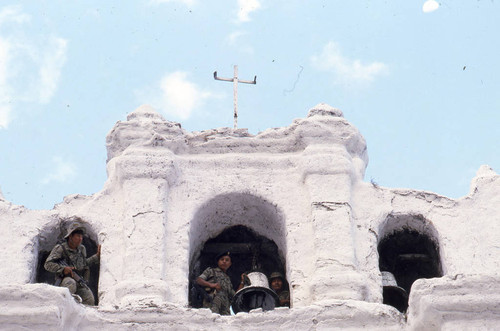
(170, 191)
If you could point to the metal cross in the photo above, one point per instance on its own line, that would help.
(235, 81)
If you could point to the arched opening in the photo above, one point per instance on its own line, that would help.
(249, 252)
(408, 250)
(50, 237)
(250, 227)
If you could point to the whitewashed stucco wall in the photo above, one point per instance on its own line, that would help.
(168, 191)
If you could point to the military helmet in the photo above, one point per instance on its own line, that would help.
(74, 227)
(276, 274)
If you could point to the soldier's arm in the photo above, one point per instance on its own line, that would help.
(242, 283)
(94, 259)
(204, 283)
(284, 298)
(206, 274)
(52, 263)
(203, 280)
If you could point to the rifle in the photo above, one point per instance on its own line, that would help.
(202, 291)
(74, 275)
(64, 262)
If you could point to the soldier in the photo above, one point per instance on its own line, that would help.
(277, 284)
(69, 262)
(218, 285)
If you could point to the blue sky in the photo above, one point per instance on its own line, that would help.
(419, 79)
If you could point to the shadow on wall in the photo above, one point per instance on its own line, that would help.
(408, 250)
(248, 226)
(49, 237)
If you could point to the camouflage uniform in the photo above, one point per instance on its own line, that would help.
(283, 295)
(78, 259)
(221, 300)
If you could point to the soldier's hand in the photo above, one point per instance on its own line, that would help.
(68, 270)
(217, 287)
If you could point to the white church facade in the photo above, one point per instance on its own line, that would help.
(288, 199)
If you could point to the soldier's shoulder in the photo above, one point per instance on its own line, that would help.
(59, 246)
(206, 274)
(56, 251)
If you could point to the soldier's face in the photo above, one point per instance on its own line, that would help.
(75, 239)
(224, 263)
(276, 284)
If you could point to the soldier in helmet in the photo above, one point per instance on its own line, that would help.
(278, 286)
(68, 261)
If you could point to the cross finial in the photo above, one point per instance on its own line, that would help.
(235, 81)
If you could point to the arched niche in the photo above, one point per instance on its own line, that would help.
(53, 234)
(409, 249)
(249, 226)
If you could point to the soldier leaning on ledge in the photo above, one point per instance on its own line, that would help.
(69, 262)
(218, 285)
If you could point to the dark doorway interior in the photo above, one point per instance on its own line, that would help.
(408, 255)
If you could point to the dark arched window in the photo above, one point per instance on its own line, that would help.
(406, 255)
(251, 227)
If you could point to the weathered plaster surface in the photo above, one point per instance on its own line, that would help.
(169, 190)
